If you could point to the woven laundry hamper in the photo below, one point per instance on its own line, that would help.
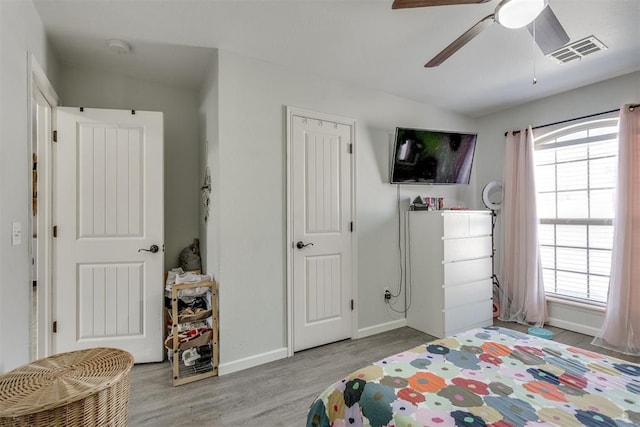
(79, 388)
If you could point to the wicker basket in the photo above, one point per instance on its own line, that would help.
(79, 388)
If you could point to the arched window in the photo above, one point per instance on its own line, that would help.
(575, 180)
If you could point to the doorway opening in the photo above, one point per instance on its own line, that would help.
(42, 101)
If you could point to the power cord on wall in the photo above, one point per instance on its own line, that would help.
(401, 260)
(399, 243)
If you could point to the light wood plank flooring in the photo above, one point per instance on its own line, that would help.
(572, 338)
(277, 393)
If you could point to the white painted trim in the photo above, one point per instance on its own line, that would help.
(289, 113)
(575, 327)
(577, 304)
(41, 80)
(289, 233)
(354, 234)
(37, 80)
(382, 327)
(251, 361)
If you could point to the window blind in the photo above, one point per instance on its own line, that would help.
(575, 179)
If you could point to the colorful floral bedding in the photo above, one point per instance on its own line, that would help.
(485, 377)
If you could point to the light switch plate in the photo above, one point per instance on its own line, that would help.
(16, 233)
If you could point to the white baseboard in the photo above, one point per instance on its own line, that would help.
(251, 361)
(383, 327)
(575, 327)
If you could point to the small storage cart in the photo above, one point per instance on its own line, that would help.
(192, 340)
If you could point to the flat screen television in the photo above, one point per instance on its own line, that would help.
(432, 157)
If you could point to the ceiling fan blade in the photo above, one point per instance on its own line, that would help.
(404, 4)
(549, 35)
(461, 41)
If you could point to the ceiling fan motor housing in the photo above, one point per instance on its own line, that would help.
(536, 15)
(518, 13)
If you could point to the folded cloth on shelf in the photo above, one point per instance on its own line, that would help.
(182, 327)
(171, 276)
(190, 277)
(178, 277)
(188, 292)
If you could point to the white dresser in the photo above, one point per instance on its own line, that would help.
(450, 275)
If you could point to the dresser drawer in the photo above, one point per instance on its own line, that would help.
(466, 224)
(467, 293)
(479, 225)
(471, 315)
(469, 248)
(457, 273)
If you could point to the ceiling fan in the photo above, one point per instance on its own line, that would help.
(548, 34)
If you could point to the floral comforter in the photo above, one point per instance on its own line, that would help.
(485, 377)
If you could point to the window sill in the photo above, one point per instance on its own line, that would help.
(577, 304)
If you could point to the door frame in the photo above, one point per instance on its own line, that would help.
(37, 80)
(289, 113)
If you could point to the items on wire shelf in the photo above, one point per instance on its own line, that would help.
(191, 305)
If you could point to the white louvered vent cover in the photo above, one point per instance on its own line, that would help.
(577, 50)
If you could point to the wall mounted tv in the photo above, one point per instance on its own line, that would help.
(432, 157)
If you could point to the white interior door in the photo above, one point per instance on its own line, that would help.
(321, 215)
(109, 206)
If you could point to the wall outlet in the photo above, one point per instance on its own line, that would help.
(387, 294)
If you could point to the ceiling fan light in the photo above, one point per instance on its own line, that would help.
(518, 13)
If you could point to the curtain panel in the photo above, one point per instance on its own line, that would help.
(621, 328)
(522, 297)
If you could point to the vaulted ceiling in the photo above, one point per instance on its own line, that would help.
(359, 41)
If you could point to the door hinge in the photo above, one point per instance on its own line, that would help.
(55, 136)
(352, 305)
(55, 231)
(351, 226)
(350, 149)
(54, 327)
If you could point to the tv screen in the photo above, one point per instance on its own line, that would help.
(432, 157)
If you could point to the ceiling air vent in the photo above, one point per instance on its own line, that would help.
(577, 50)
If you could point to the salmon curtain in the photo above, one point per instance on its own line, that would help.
(621, 328)
(522, 297)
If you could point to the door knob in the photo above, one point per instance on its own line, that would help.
(153, 249)
(301, 245)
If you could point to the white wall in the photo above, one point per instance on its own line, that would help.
(94, 88)
(21, 31)
(251, 199)
(596, 98)
(209, 156)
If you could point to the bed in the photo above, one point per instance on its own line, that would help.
(487, 376)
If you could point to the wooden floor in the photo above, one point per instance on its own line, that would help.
(278, 393)
(572, 338)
